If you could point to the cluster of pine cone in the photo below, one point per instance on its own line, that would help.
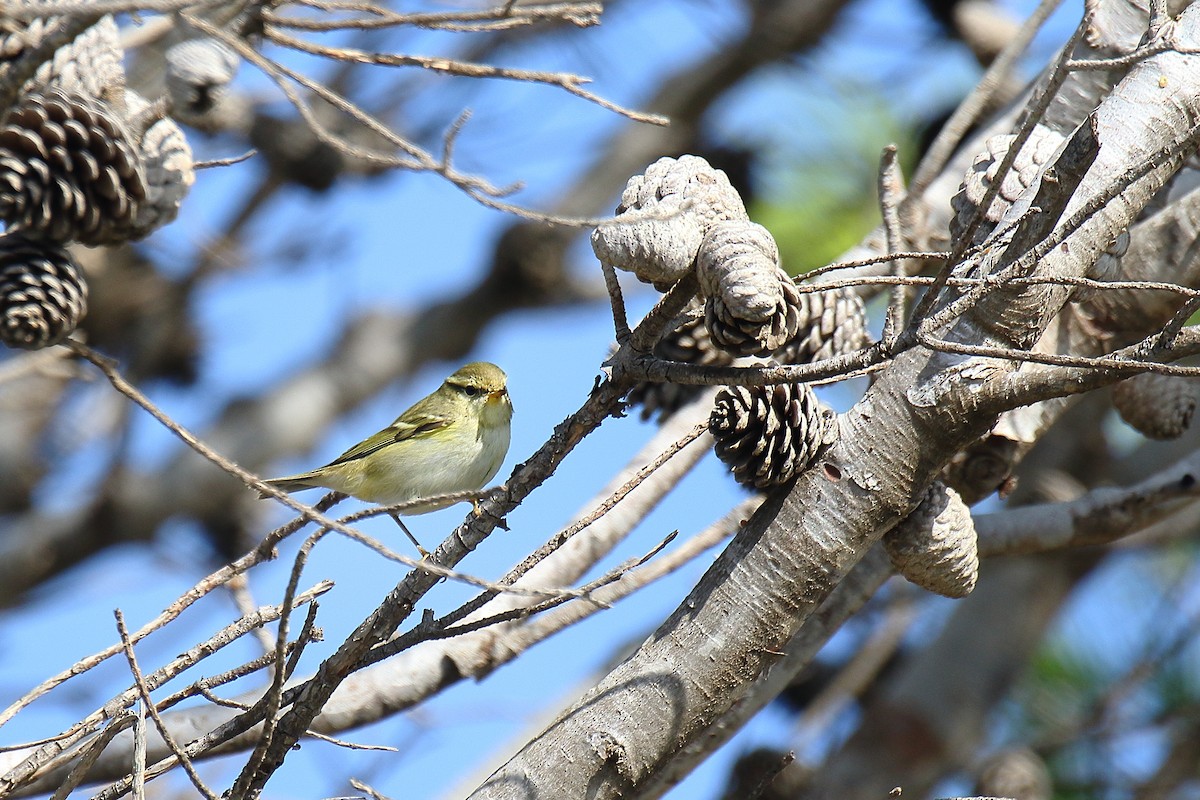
(83, 160)
(682, 215)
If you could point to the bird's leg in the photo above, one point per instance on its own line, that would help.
(424, 553)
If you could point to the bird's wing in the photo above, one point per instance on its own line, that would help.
(398, 431)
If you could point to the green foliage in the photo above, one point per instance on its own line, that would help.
(822, 201)
(1061, 687)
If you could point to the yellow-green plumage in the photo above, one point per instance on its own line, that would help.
(451, 441)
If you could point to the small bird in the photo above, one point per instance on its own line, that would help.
(454, 440)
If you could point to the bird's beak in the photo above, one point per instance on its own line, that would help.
(495, 397)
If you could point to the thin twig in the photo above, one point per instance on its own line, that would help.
(362, 787)
(91, 753)
(565, 535)
(1152, 48)
(891, 195)
(1124, 367)
(309, 632)
(1034, 111)
(659, 370)
(617, 300)
(952, 133)
(273, 698)
(573, 84)
(604, 594)
(588, 594)
(559, 619)
(430, 564)
(920, 255)
(49, 754)
(138, 787)
(204, 686)
(223, 702)
(351, 745)
(581, 15)
(225, 162)
(147, 707)
(34, 9)
(239, 590)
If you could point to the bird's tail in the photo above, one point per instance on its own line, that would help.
(292, 483)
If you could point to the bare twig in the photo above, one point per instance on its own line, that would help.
(489, 19)
(565, 535)
(147, 707)
(1035, 109)
(274, 695)
(1099, 517)
(225, 162)
(891, 195)
(1152, 48)
(572, 84)
(139, 753)
(951, 134)
(91, 752)
(617, 300)
(921, 255)
(239, 590)
(68, 8)
(48, 755)
(352, 745)
(548, 624)
(204, 686)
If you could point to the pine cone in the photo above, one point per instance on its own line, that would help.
(166, 159)
(19, 37)
(42, 293)
(198, 72)
(1108, 265)
(935, 546)
(1158, 406)
(1106, 268)
(982, 467)
(768, 435)
(832, 323)
(752, 307)
(68, 171)
(690, 344)
(1015, 772)
(1025, 171)
(91, 64)
(668, 211)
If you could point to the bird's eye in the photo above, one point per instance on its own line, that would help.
(470, 391)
